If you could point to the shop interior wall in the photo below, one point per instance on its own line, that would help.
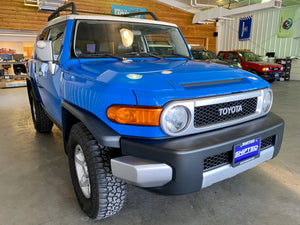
(19, 46)
(263, 37)
(14, 15)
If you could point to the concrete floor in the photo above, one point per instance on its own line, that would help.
(35, 186)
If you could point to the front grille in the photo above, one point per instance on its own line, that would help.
(224, 158)
(217, 160)
(210, 114)
(275, 68)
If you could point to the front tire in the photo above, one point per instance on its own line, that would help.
(98, 192)
(41, 121)
(287, 77)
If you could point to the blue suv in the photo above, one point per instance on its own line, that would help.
(135, 108)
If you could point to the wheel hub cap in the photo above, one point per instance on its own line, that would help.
(82, 172)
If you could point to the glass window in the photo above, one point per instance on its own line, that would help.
(198, 54)
(98, 39)
(221, 55)
(249, 56)
(211, 55)
(232, 56)
(55, 35)
(43, 35)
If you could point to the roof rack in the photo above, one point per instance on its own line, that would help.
(140, 14)
(65, 7)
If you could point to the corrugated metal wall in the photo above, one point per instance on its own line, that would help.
(263, 35)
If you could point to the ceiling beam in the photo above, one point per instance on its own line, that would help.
(220, 12)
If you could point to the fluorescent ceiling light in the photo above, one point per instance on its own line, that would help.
(19, 35)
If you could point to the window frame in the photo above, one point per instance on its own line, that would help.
(49, 32)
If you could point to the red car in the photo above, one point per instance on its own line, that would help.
(254, 64)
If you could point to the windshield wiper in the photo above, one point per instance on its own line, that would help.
(183, 56)
(145, 53)
(151, 54)
(101, 54)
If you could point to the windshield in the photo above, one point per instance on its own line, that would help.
(110, 39)
(211, 55)
(203, 55)
(249, 56)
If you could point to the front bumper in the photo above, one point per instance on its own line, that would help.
(185, 156)
(270, 75)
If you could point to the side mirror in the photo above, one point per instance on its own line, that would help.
(44, 53)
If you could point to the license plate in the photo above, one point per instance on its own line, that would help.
(276, 75)
(246, 151)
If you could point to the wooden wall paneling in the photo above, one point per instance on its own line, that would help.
(15, 15)
(28, 51)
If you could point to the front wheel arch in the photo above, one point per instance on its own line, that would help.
(72, 114)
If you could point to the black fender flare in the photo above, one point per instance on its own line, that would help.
(32, 86)
(72, 114)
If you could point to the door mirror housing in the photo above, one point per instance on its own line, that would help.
(44, 51)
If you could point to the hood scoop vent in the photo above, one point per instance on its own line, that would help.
(208, 83)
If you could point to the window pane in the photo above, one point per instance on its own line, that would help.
(55, 35)
(126, 39)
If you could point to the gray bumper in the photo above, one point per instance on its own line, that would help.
(178, 164)
(141, 172)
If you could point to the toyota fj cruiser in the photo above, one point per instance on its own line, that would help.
(158, 120)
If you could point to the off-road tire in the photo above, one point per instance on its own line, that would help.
(287, 77)
(107, 193)
(40, 119)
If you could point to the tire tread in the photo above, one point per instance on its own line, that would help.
(110, 192)
(42, 123)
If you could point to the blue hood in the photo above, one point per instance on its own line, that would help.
(166, 79)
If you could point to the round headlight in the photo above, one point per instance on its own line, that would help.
(176, 119)
(267, 102)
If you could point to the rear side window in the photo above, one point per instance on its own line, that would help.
(55, 35)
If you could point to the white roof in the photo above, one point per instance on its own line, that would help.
(107, 18)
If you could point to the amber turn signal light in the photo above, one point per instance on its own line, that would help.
(134, 115)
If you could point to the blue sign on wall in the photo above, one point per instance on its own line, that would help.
(120, 10)
(245, 28)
